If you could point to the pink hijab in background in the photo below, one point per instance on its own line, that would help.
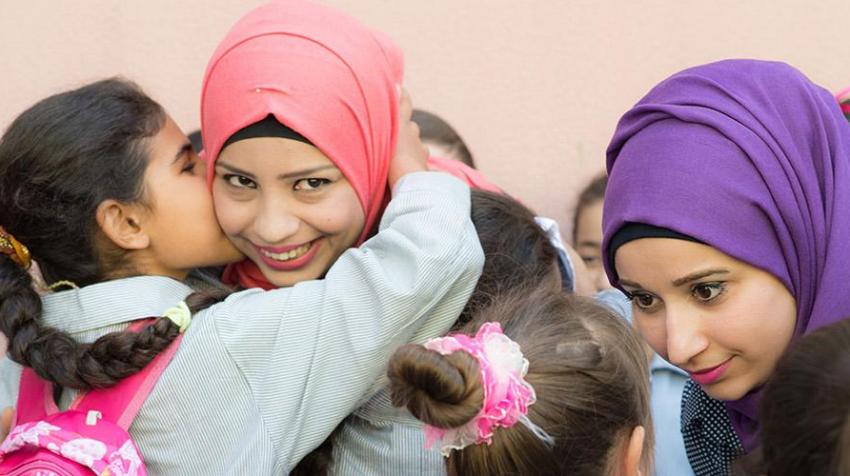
(843, 98)
(323, 74)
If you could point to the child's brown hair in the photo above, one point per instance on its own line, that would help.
(586, 366)
(805, 411)
(517, 253)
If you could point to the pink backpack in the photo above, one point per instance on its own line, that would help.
(90, 437)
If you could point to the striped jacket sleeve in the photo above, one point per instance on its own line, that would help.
(310, 352)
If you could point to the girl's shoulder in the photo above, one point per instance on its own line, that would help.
(10, 376)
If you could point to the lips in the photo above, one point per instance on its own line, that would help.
(710, 375)
(287, 255)
(289, 258)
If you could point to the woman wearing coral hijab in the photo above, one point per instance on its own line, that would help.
(726, 222)
(299, 115)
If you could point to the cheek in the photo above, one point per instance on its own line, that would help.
(341, 214)
(191, 204)
(357, 218)
(755, 312)
(233, 216)
(775, 328)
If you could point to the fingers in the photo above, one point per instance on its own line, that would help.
(6, 422)
(411, 155)
(405, 106)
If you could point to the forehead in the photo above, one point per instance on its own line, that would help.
(591, 215)
(273, 154)
(650, 260)
(167, 142)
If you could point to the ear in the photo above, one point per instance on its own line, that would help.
(122, 224)
(634, 452)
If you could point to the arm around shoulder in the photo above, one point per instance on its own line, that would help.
(311, 351)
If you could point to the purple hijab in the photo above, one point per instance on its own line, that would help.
(753, 159)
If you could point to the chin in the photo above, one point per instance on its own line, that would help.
(726, 391)
(286, 279)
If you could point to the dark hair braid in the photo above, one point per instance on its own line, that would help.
(55, 355)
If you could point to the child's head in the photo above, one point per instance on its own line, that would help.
(91, 181)
(517, 251)
(441, 138)
(586, 367)
(587, 230)
(61, 159)
(805, 411)
(98, 183)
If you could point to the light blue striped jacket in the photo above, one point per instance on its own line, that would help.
(380, 440)
(263, 378)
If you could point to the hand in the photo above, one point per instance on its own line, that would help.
(6, 422)
(38, 280)
(410, 154)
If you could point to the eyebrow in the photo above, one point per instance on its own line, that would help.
(290, 175)
(589, 243)
(304, 172)
(233, 169)
(698, 275)
(683, 280)
(185, 149)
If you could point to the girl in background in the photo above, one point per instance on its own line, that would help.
(666, 380)
(538, 382)
(587, 230)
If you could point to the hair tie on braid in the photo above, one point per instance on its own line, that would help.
(180, 315)
(13, 248)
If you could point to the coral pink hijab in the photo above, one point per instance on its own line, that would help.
(324, 75)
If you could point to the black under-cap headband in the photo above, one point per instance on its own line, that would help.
(268, 127)
(635, 231)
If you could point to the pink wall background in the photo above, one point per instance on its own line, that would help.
(535, 87)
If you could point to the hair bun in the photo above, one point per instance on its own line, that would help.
(440, 390)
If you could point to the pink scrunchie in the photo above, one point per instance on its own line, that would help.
(507, 395)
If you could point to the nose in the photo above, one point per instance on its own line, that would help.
(275, 222)
(685, 336)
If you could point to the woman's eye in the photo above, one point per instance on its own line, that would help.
(643, 301)
(309, 184)
(239, 181)
(707, 291)
(189, 167)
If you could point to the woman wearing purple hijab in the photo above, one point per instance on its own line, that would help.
(727, 222)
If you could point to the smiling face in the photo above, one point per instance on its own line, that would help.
(286, 206)
(723, 321)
